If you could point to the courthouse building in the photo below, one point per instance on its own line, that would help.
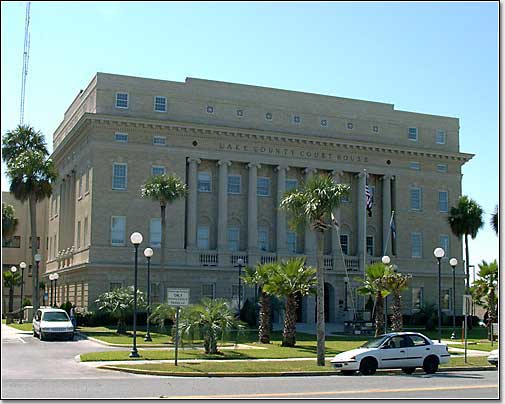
(240, 148)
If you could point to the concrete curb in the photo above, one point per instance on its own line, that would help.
(272, 374)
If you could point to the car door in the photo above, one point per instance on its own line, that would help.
(391, 354)
(418, 348)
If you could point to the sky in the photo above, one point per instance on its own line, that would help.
(435, 58)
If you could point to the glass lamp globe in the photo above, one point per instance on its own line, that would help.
(148, 252)
(386, 260)
(13, 269)
(38, 257)
(22, 265)
(56, 276)
(240, 261)
(136, 238)
(453, 262)
(439, 252)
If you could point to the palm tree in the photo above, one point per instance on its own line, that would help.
(374, 284)
(9, 221)
(484, 290)
(162, 314)
(11, 280)
(119, 304)
(494, 220)
(260, 276)
(466, 219)
(32, 174)
(395, 283)
(290, 279)
(164, 189)
(211, 317)
(313, 202)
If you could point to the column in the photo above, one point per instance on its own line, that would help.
(386, 214)
(73, 201)
(361, 220)
(192, 202)
(61, 215)
(222, 215)
(310, 238)
(281, 213)
(252, 208)
(335, 242)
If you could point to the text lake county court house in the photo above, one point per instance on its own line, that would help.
(239, 148)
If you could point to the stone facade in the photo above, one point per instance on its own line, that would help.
(238, 148)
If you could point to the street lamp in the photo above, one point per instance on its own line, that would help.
(136, 239)
(36, 299)
(386, 261)
(22, 265)
(240, 264)
(51, 279)
(439, 253)
(453, 262)
(55, 277)
(13, 270)
(148, 253)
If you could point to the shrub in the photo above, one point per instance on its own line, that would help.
(248, 313)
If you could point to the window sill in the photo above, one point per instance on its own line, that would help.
(120, 189)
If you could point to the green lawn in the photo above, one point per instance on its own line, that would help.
(22, 327)
(477, 333)
(479, 346)
(108, 334)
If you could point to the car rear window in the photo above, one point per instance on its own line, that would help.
(418, 340)
(55, 316)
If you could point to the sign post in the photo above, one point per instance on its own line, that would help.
(467, 307)
(178, 298)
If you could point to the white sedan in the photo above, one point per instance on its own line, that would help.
(404, 350)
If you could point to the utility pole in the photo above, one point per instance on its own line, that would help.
(26, 55)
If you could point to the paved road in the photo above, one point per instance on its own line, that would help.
(35, 369)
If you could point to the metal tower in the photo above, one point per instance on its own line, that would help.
(26, 55)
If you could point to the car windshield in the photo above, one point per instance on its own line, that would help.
(55, 316)
(374, 342)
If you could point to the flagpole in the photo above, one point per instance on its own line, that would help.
(364, 230)
(385, 251)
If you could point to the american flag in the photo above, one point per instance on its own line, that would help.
(369, 200)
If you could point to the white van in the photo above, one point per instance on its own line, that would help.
(49, 322)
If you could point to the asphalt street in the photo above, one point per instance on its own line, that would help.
(35, 369)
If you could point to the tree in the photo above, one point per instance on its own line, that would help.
(11, 280)
(211, 317)
(313, 202)
(9, 221)
(119, 304)
(374, 284)
(484, 289)
(290, 279)
(466, 219)
(494, 220)
(164, 189)
(395, 283)
(162, 314)
(260, 276)
(32, 174)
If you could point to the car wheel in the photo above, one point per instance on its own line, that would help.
(34, 333)
(348, 372)
(368, 366)
(42, 337)
(71, 338)
(430, 365)
(408, 371)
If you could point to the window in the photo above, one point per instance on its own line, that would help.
(121, 100)
(263, 186)
(417, 298)
(375, 129)
(291, 241)
(234, 184)
(86, 187)
(13, 242)
(155, 233)
(121, 137)
(155, 292)
(78, 234)
(324, 123)
(160, 104)
(157, 170)
(38, 243)
(85, 238)
(446, 297)
(119, 176)
(443, 201)
(413, 134)
(117, 230)
(370, 245)
(263, 239)
(268, 116)
(115, 285)
(209, 290)
(210, 109)
(203, 237)
(350, 125)
(371, 188)
(159, 140)
(440, 136)
(443, 241)
(204, 182)
(344, 243)
(233, 238)
(415, 165)
(296, 119)
(442, 168)
(417, 245)
(417, 340)
(415, 198)
(50, 247)
(240, 112)
(291, 183)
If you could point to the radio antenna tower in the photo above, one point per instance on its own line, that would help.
(26, 55)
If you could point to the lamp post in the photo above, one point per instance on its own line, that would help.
(439, 253)
(148, 253)
(11, 291)
(55, 277)
(36, 302)
(51, 278)
(22, 265)
(386, 261)
(136, 239)
(240, 263)
(453, 262)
